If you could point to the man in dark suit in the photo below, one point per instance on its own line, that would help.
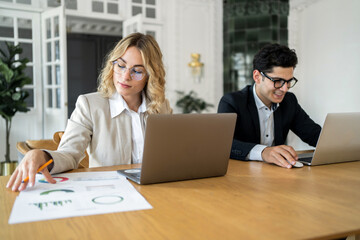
(266, 111)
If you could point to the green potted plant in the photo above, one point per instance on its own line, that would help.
(191, 103)
(12, 94)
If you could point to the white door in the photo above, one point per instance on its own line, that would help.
(155, 31)
(54, 70)
(23, 27)
(137, 24)
(133, 24)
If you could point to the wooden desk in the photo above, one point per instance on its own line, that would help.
(253, 201)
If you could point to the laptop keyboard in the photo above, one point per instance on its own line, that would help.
(131, 173)
(306, 157)
(307, 160)
(136, 175)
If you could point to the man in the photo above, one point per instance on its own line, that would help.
(266, 111)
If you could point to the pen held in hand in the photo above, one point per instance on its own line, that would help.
(40, 168)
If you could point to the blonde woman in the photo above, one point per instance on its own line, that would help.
(111, 122)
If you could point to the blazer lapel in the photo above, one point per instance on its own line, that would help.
(278, 127)
(254, 113)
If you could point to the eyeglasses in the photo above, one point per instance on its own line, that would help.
(279, 82)
(136, 73)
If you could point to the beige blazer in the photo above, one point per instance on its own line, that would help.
(109, 140)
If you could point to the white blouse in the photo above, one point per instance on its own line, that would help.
(117, 106)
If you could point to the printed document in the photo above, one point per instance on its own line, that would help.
(76, 194)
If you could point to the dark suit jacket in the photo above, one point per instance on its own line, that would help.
(288, 116)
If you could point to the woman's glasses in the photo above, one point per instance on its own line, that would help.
(136, 73)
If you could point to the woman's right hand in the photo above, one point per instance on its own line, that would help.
(28, 167)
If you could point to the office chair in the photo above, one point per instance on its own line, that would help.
(48, 144)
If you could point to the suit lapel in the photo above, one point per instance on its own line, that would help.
(254, 113)
(278, 127)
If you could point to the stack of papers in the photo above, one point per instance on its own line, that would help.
(76, 194)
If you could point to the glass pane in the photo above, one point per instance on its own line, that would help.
(29, 73)
(151, 33)
(150, 2)
(49, 75)
(50, 98)
(134, 27)
(97, 6)
(56, 26)
(7, 26)
(53, 3)
(112, 8)
(3, 47)
(150, 13)
(57, 50)
(24, 1)
(57, 75)
(128, 29)
(137, 1)
(25, 28)
(265, 35)
(48, 49)
(58, 97)
(30, 99)
(5, 0)
(27, 51)
(48, 28)
(71, 4)
(136, 10)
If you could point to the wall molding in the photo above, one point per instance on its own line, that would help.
(93, 26)
(300, 5)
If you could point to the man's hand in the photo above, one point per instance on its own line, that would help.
(283, 156)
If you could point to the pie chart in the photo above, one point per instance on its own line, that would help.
(56, 190)
(58, 179)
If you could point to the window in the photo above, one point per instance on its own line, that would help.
(247, 27)
(148, 7)
(16, 30)
(53, 73)
(71, 4)
(105, 6)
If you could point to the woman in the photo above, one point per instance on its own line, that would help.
(111, 121)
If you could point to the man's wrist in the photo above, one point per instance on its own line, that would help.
(256, 152)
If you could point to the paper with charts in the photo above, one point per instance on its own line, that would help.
(76, 194)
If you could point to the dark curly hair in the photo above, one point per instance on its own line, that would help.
(274, 55)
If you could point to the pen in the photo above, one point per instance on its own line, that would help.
(40, 168)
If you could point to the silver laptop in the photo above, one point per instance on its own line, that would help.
(184, 146)
(339, 140)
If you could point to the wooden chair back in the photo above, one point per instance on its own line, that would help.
(85, 162)
(50, 144)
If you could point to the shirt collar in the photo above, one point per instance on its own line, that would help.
(118, 104)
(260, 104)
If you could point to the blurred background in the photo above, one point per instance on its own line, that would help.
(208, 46)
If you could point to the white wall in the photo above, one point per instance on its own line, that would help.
(325, 34)
(193, 26)
(326, 37)
(188, 26)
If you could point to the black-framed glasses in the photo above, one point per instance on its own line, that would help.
(279, 82)
(136, 73)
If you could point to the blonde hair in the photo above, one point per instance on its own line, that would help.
(152, 58)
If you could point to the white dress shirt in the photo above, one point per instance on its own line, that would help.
(117, 106)
(266, 120)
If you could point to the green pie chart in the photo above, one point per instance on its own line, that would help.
(56, 190)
